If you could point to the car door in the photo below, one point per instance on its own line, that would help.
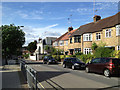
(94, 64)
(69, 62)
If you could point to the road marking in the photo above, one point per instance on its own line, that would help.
(42, 86)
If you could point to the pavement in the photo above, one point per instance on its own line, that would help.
(12, 77)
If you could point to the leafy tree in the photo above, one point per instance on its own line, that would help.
(12, 39)
(94, 46)
(53, 51)
(32, 46)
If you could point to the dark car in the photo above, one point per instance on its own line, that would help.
(49, 59)
(107, 66)
(73, 63)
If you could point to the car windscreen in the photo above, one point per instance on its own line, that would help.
(50, 57)
(75, 60)
(116, 61)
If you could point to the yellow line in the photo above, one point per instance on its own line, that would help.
(41, 85)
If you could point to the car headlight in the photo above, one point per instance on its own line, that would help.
(76, 64)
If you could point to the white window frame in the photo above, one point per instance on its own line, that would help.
(118, 47)
(87, 37)
(61, 43)
(108, 31)
(55, 44)
(98, 36)
(66, 42)
(87, 50)
(117, 30)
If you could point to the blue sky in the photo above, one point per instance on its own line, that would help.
(42, 19)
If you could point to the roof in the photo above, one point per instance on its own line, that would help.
(60, 37)
(99, 25)
(66, 37)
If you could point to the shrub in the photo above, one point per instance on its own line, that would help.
(85, 58)
(116, 54)
(26, 56)
(103, 52)
(78, 53)
(62, 56)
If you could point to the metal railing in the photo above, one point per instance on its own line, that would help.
(30, 75)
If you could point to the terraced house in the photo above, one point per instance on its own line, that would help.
(63, 41)
(105, 30)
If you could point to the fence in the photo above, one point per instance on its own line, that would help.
(30, 75)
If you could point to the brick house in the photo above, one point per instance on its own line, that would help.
(62, 41)
(105, 30)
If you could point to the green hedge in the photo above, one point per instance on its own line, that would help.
(83, 57)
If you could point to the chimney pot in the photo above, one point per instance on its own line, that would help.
(96, 18)
(70, 29)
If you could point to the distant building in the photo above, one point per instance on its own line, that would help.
(41, 46)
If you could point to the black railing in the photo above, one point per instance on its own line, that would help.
(30, 75)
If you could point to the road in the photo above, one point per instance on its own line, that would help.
(55, 76)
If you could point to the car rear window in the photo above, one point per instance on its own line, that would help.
(105, 60)
(116, 61)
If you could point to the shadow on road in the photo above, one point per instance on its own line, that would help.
(45, 75)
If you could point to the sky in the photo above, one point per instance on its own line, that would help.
(52, 19)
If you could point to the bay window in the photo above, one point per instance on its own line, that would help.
(87, 50)
(61, 43)
(117, 30)
(87, 37)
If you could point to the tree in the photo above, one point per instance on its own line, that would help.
(94, 46)
(32, 46)
(53, 51)
(12, 39)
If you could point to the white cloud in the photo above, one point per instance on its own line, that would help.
(32, 34)
(30, 15)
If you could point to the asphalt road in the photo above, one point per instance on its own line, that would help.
(57, 77)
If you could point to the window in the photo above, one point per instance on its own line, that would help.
(55, 44)
(108, 33)
(87, 37)
(98, 36)
(77, 50)
(70, 40)
(118, 47)
(117, 30)
(67, 42)
(77, 39)
(61, 43)
(87, 50)
(97, 60)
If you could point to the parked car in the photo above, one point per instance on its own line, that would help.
(73, 63)
(107, 66)
(49, 59)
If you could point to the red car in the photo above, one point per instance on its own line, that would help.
(107, 66)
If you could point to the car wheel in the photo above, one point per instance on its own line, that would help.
(87, 70)
(64, 66)
(106, 73)
(73, 67)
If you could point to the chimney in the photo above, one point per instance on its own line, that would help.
(96, 18)
(70, 29)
